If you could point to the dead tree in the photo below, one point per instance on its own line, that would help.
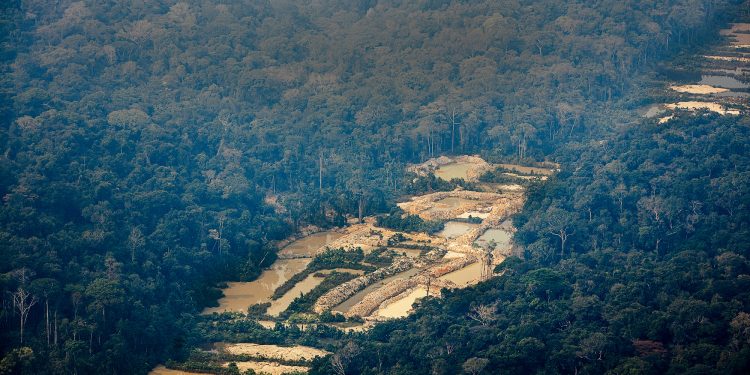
(23, 300)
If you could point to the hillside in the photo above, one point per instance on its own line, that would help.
(153, 150)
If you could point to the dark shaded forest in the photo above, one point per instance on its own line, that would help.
(653, 279)
(153, 149)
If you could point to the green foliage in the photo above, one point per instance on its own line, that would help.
(145, 147)
(498, 175)
(617, 301)
(380, 257)
(397, 220)
(258, 309)
(304, 303)
(327, 260)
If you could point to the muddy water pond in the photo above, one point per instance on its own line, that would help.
(455, 229)
(465, 276)
(500, 237)
(240, 295)
(453, 170)
(401, 307)
(723, 81)
(303, 287)
(359, 296)
(308, 246)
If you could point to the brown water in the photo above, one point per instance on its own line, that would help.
(737, 71)
(359, 296)
(453, 170)
(455, 229)
(303, 287)
(723, 81)
(309, 246)
(240, 295)
(401, 308)
(465, 276)
(501, 238)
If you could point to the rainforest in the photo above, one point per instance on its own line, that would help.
(375, 187)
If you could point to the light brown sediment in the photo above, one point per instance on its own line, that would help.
(264, 367)
(161, 370)
(475, 166)
(698, 89)
(696, 105)
(286, 353)
(342, 292)
(373, 300)
(425, 205)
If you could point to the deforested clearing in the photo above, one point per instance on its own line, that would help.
(286, 353)
(271, 368)
(698, 89)
(711, 106)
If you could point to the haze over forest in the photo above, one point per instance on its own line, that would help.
(375, 187)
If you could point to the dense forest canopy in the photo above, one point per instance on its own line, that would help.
(151, 149)
(653, 281)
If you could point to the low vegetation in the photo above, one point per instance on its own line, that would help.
(399, 221)
(327, 260)
(153, 149)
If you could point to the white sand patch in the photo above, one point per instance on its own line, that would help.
(711, 106)
(268, 367)
(698, 89)
(161, 370)
(481, 215)
(288, 353)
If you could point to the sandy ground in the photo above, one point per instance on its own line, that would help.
(698, 89)
(289, 353)
(711, 106)
(476, 166)
(161, 370)
(493, 208)
(268, 367)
